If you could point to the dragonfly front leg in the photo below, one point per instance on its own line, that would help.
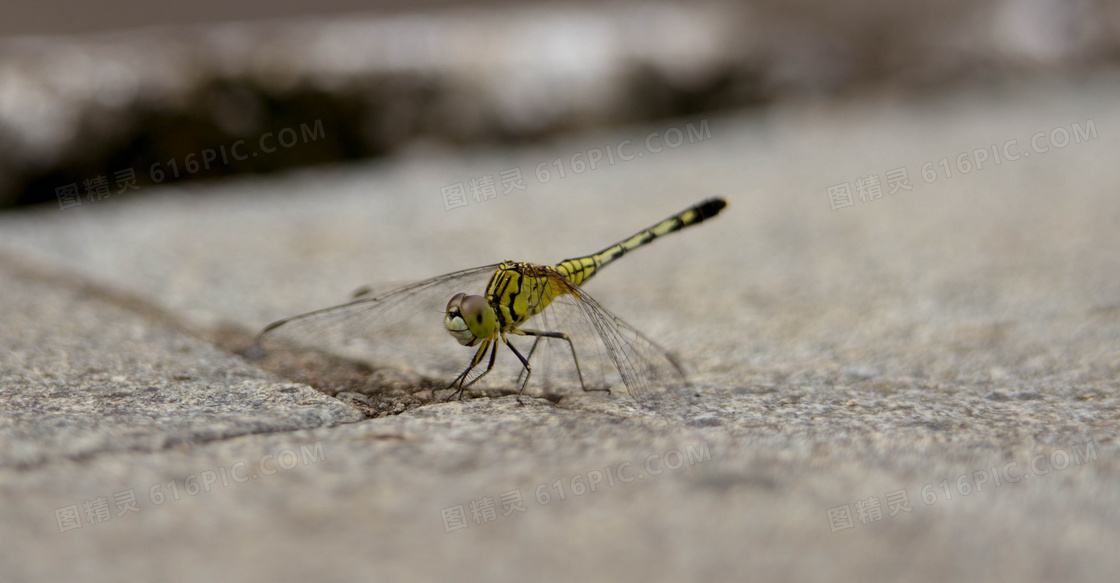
(488, 343)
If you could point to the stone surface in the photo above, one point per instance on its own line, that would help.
(83, 376)
(929, 342)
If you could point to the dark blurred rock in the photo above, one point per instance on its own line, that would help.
(86, 117)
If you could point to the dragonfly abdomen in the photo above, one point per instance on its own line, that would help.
(580, 269)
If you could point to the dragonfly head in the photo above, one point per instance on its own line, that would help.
(470, 319)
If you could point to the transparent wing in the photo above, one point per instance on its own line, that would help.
(401, 325)
(609, 350)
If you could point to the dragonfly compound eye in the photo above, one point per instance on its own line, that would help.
(455, 323)
(456, 299)
(479, 316)
(470, 319)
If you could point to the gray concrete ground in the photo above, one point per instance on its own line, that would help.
(917, 387)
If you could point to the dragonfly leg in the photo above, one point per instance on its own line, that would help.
(532, 349)
(489, 367)
(524, 363)
(542, 334)
(486, 344)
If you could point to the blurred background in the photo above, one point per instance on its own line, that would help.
(99, 100)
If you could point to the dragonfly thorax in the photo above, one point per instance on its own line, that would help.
(470, 319)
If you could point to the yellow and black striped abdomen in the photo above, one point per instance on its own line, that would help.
(580, 269)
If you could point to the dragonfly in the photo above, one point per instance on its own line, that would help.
(519, 299)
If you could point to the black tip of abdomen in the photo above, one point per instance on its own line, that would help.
(710, 207)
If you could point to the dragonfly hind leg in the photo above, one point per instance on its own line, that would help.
(560, 335)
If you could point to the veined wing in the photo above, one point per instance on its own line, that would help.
(406, 320)
(607, 347)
